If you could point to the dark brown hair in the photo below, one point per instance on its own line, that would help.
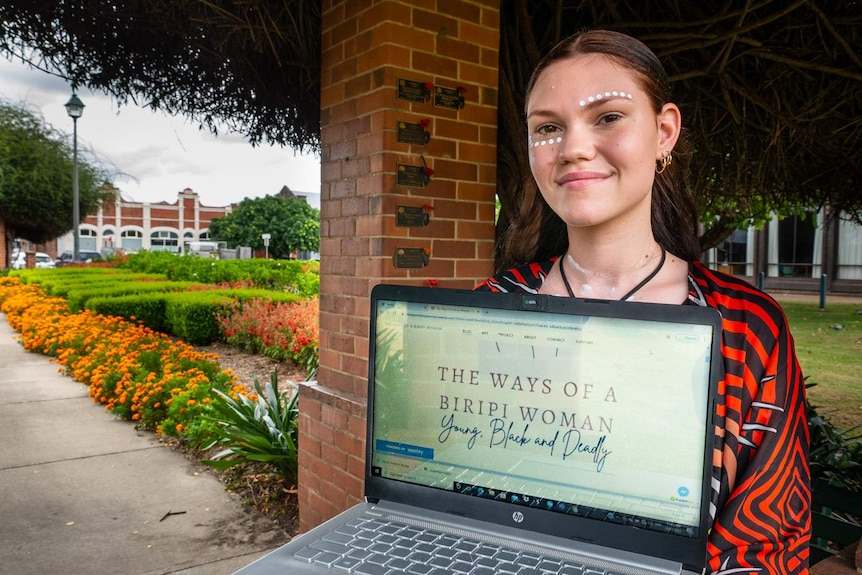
(536, 233)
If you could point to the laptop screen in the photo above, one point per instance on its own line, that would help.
(592, 416)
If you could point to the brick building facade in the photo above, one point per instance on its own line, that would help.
(134, 226)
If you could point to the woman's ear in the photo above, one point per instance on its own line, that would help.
(669, 127)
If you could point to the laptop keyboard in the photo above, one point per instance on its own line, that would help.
(370, 545)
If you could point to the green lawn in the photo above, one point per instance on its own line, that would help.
(829, 347)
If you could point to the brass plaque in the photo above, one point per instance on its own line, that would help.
(448, 98)
(414, 258)
(408, 133)
(413, 91)
(411, 217)
(412, 176)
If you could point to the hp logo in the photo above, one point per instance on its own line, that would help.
(517, 517)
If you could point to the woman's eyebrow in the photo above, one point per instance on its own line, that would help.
(540, 112)
(587, 103)
(599, 98)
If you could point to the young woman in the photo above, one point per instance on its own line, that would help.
(607, 215)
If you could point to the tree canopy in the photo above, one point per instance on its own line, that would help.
(36, 174)
(252, 66)
(293, 225)
(769, 89)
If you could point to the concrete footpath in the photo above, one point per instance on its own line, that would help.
(84, 493)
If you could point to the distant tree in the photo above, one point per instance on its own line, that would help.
(293, 225)
(36, 172)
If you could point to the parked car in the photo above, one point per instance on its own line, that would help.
(85, 256)
(43, 260)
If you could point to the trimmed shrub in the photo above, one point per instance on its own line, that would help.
(298, 277)
(191, 316)
(147, 309)
(79, 296)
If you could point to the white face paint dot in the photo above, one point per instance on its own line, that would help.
(600, 96)
(549, 142)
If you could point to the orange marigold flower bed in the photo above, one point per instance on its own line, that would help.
(139, 374)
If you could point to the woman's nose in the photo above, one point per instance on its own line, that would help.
(574, 145)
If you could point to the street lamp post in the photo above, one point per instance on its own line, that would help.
(75, 109)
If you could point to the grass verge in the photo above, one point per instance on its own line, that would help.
(829, 348)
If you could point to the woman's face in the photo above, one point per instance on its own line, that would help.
(594, 138)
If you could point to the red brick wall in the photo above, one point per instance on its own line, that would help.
(205, 216)
(164, 216)
(131, 216)
(366, 48)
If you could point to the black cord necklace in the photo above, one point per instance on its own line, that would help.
(633, 291)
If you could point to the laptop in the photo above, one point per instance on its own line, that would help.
(513, 433)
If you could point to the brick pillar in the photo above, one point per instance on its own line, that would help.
(367, 47)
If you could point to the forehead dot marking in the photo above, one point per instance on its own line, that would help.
(600, 96)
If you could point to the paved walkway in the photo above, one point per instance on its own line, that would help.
(84, 493)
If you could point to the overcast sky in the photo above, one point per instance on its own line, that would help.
(158, 155)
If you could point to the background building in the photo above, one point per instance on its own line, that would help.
(131, 226)
(795, 253)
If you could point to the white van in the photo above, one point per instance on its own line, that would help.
(205, 249)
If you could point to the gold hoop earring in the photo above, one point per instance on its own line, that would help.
(662, 164)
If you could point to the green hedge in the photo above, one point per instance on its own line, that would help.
(60, 282)
(189, 315)
(79, 296)
(148, 309)
(293, 276)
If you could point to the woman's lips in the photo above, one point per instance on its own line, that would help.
(581, 180)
